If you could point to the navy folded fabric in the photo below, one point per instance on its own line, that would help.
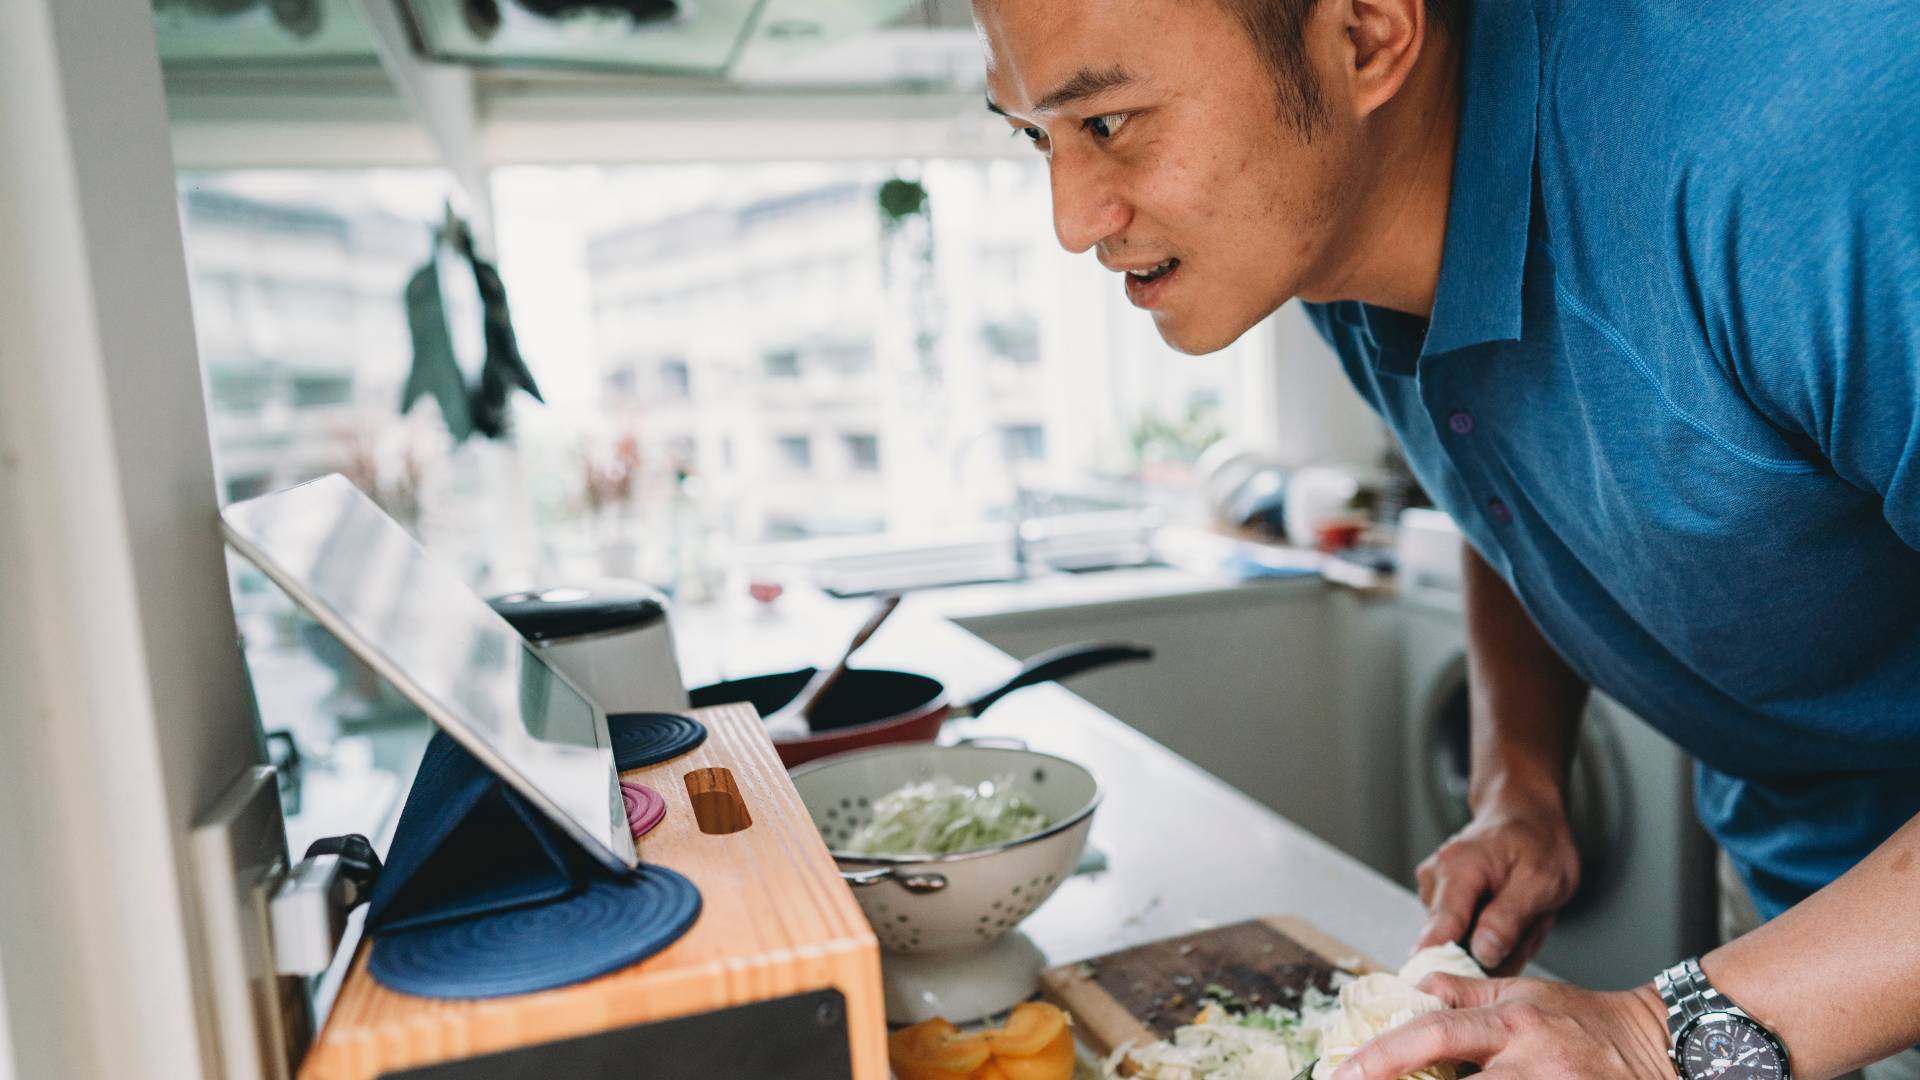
(483, 896)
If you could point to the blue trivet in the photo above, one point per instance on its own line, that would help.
(613, 923)
(641, 739)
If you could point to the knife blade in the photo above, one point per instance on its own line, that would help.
(1307, 1073)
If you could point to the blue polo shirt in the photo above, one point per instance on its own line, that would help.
(1670, 388)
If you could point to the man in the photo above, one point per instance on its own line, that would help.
(1637, 285)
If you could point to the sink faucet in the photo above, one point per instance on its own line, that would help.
(1022, 498)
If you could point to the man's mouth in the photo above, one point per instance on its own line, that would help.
(1145, 285)
(1154, 273)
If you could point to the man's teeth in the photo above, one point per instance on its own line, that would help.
(1154, 271)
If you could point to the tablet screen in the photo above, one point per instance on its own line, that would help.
(414, 620)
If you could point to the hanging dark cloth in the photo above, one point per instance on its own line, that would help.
(436, 371)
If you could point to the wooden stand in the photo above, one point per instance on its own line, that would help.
(776, 921)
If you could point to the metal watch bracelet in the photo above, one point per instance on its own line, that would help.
(1688, 995)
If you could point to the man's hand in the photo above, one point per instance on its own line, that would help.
(1514, 865)
(1525, 1029)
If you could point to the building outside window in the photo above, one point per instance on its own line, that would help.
(793, 305)
(863, 452)
(796, 452)
(675, 379)
(1024, 442)
(782, 364)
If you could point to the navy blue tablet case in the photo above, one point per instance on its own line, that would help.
(483, 896)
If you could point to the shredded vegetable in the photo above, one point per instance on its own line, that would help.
(941, 817)
(1275, 1043)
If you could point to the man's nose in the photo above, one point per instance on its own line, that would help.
(1086, 207)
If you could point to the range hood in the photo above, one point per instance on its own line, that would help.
(666, 37)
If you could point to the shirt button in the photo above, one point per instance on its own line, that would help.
(1461, 422)
(1497, 510)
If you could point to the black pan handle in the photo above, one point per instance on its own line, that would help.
(1058, 664)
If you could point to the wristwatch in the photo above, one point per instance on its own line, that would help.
(1712, 1038)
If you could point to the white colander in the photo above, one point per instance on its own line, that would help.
(933, 903)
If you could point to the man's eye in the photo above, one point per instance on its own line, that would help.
(1032, 134)
(1106, 127)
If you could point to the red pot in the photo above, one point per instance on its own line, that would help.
(872, 706)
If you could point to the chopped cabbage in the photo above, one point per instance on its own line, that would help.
(1276, 1043)
(941, 817)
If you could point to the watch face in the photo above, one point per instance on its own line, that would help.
(1723, 1047)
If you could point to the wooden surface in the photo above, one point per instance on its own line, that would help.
(1145, 993)
(776, 920)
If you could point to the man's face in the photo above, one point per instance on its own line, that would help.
(1169, 155)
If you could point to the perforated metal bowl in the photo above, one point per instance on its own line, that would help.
(933, 903)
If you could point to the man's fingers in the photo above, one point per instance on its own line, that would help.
(1461, 993)
(1458, 887)
(1505, 921)
(1472, 1035)
(1530, 944)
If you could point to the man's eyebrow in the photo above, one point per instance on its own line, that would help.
(1085, 83)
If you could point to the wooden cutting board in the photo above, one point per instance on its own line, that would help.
(1145, 993)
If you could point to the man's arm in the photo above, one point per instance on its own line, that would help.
(1527, 702)
(1834, 978)
(1837, 977)
(1506, 874)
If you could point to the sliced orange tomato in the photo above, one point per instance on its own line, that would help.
(1036, 1043)
(936, 1050)
(1028, 1030)
(1053, 1061)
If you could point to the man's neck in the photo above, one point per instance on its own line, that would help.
(1401, 224)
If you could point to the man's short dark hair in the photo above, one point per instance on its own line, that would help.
(1278, 29)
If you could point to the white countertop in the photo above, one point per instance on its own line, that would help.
(1185, 851)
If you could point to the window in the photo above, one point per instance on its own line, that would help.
(1024, 442)
(297, 282)
(314, 391)
(709, 319)
(796, 451)
(782, 364)
(1016, 341)
(676, 380)
(847, 357)
(863, 452)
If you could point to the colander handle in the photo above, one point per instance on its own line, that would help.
(1000, 742)
(918, 884)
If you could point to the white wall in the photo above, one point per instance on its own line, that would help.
(6, 1042)
(123, 701)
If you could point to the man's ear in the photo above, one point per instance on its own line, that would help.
(1383, 40)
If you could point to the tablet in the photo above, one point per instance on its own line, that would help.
(412, 619)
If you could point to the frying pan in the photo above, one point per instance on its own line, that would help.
(873, 706)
